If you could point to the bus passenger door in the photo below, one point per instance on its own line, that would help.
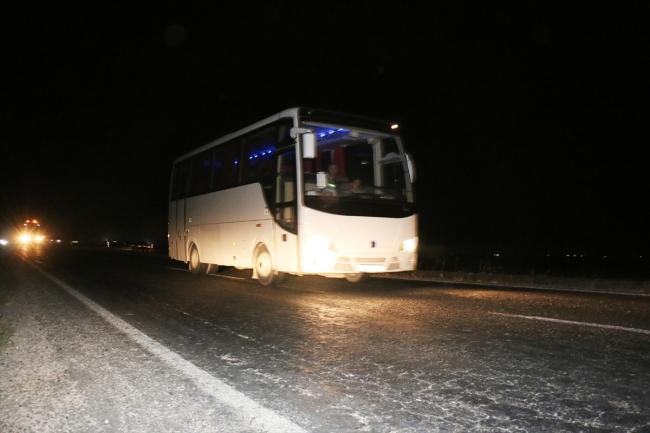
(285, 238)
(181, 248)
(177, 204)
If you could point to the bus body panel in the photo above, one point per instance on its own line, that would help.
(226, 225)
(286, 250)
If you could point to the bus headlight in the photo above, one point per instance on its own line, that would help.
(410, 245)
(319, 243)
(319, 253)
(39, 238)
(25, 238)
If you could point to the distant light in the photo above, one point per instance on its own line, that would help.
(75, 242)
(496, 254)
(604, 257)
(394, 126)
(4, 242)
(35, 221)
(58, 241)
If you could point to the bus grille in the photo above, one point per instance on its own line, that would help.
(344, 264)
(370, 259)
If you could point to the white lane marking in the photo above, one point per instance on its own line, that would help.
(504, 285)
(255, 415)
(571, 322)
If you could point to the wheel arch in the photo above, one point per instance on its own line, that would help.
(192, 243)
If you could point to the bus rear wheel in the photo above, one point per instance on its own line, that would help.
(354, 278)
(264, 266)
(194, 264)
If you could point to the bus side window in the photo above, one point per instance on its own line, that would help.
(200, 176)
(258, 153)
(219, 169)
(259, 149)
(179, 185)
(225, 165)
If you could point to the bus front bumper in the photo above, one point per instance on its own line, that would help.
(330, 262)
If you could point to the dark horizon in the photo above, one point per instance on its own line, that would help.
(527, 124)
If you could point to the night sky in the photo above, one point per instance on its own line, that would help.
(528, 125)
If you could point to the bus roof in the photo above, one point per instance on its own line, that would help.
(289, 112)
(305, 113)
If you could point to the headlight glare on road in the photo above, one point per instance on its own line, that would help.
(410, 245)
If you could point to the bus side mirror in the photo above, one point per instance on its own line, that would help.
(411, 167)
(309, 145)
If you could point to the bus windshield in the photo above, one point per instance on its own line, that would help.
(357, 172)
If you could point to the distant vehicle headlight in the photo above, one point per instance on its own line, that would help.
(410, 245)
(4, 242)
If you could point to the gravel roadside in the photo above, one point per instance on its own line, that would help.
(64, 369)
(639, 288)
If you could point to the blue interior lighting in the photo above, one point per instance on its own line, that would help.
(327, 132)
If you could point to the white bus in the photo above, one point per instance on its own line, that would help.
(301, 192)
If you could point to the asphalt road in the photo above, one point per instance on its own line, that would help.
(384, 355)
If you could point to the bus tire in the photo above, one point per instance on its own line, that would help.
(264, 266)
(355, 278)
(194, 263)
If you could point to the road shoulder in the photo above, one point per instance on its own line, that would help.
(65, 369)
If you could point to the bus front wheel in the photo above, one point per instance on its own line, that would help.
(194, 264)
(264, 266)
(354, 278)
